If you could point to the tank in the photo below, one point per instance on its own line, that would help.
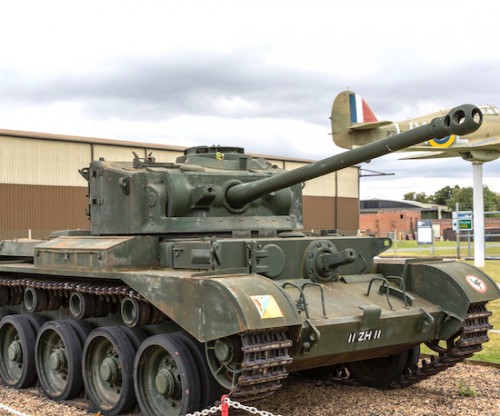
(194, 280)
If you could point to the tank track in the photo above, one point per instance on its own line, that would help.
(265, 358)
(64, 288)
(473, 334)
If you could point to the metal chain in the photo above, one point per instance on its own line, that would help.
(231, 403)
(249, 409)
(206, 412)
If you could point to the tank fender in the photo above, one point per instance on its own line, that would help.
(213, 307)
(453, 286)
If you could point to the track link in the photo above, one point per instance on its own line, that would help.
(265, 358)
(473, 334)
(65, 287)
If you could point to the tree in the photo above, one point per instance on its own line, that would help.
(410, 196)
(420, 197)
(491, 200)
(464, 197)
(443, 196)
(450, 196)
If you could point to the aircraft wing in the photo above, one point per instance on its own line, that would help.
(481, 151)
(369, 125)
(489, 143)
(432, 155)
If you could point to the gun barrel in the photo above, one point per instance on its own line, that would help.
(460, 120)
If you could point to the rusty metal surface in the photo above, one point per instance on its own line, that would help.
(93, 253)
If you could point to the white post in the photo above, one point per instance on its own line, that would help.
(478, 213)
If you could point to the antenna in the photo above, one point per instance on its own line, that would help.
(373, 173)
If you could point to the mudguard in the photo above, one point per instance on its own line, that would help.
(219, 305)
(454, 286)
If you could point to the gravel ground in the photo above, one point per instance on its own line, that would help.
(437, 396)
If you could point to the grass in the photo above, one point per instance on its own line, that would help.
(491, 351)
(441, 248)
(465, 389)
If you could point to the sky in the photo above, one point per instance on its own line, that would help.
(257, 74)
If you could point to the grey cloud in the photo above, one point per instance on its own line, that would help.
(196, 84)
(183, 84)
(474, 82)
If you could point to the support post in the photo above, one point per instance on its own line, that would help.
(478, 213)
(224, 405)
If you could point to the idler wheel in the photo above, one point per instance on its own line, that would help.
(224, 360)
(134, 312)
(59, 360)
(82, 305)
(35, 300)
(166, 377)
(17, 351)
(86, 305)
(108, 358)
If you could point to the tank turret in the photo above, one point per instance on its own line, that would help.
(221, 189)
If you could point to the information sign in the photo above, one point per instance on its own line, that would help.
(424, 232)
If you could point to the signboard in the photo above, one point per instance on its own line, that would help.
(465, 224)
(425, 232)
(464, 221)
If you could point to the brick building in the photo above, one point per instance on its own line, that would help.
(384, 217)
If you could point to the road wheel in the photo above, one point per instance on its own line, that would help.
(59, 360)
(17, 351)
(108, 360)
(166, 377)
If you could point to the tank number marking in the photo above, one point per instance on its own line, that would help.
(368, 335)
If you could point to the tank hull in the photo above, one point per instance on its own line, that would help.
(357, 317)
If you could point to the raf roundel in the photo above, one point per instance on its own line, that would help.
(444, 142)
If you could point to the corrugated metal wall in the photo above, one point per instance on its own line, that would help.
(343, 183)
(42, 162)
(114, 153)
(325, 213)
(41, 209)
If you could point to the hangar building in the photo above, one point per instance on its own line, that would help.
(42, 191)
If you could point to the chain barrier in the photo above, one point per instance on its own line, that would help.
(226, 403)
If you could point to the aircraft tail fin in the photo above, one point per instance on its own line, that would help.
(353, 121)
